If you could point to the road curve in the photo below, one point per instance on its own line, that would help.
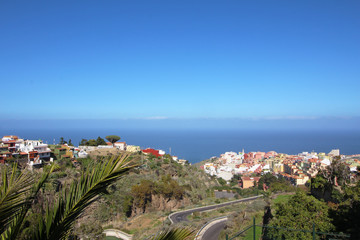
(118, 234)
(213, 232)
(181, 216)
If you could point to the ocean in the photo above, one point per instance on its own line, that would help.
(197, 145)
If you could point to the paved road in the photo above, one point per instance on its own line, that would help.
(118, 234)
(181, 216)
(213, 232)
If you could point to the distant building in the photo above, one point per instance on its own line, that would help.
(120, 145)
(259, 155)
(35, 145)
(297, 180)
(32, 151)
(248, 182)
(132, 148)
(227, 176)
(152, 151)
(183, 161)
(334, 153)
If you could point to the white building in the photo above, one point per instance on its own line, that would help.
(231, 157)
(120, 145)
(82, 154)
(334, 153)
(34, 146)
(133, 148)
(227, 176)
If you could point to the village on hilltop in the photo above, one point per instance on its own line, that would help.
(34, 153)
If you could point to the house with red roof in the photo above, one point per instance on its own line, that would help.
(154, 152)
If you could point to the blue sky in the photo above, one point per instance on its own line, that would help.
(180, 59)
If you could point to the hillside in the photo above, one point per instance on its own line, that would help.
(140, 202)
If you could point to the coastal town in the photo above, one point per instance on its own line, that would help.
(34, 153)
(298, 169)
(163, 185)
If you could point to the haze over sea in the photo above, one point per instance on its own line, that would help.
(199, 140)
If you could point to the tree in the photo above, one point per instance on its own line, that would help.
(268, 179)
(330, 183)
(91, 142)
(235, 180)
(112, 138)
(337, 173)
(100, 141)
(300, 212)
(83, 142)
(62, 141)
(70, 143)
(221, 181)
(267, 212)
(127, 205)
(59, 219)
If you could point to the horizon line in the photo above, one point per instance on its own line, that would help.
(156, 118)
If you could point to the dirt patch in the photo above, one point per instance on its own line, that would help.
(103, 152)
(140, 222)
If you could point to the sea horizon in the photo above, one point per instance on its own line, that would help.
(196, 145)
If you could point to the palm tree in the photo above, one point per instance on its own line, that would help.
(18, 192)
(174, 234)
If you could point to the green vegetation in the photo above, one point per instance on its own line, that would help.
(342, 194)
(92, 142)
(112, 138)
(281, 199)
(62, 141)
(249, 235)
(274, 184)
(149, 192)
(64, 194)
(111, 238)
(243, 217)
(18, 190)
(300, 212)
(333, 205)
(140, 202)
(100, 141)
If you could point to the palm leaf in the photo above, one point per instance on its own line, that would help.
(59, 220)
(13, 194)
(174, 234)
(13, 230)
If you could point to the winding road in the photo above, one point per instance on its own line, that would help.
(182, 215)
(213, 232)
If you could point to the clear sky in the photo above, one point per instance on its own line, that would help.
(187, 59)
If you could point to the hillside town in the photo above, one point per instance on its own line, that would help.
(34, 153)
(297, 169)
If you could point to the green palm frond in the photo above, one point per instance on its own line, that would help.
(14, 229)
(59, 219)
(16, 196)
(13, 194)
(174, 234)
